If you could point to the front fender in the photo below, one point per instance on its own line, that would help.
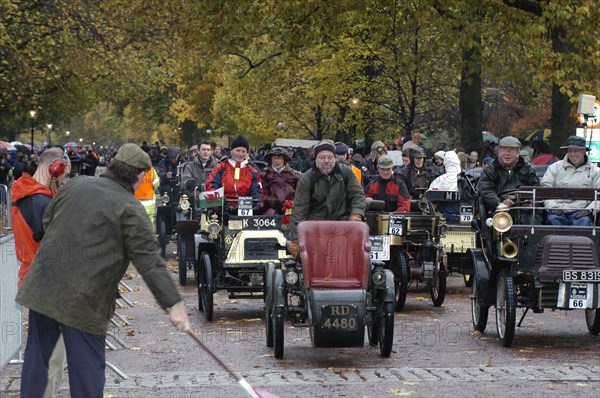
(481, 274)
(278, 289)
(269, 270)
(390, 290)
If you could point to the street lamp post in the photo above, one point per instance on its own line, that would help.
(32, 114)
(49, 125)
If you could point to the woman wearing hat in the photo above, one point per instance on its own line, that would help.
(576, 170)
(279, 180)
(236, 175)
(417, 175)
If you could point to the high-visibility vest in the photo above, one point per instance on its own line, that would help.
(146, 189)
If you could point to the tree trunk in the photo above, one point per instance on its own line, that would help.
(470, 103)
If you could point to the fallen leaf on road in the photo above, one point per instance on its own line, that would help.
(401, 392)
(411, 383)
(583, 385)
(258, 366)
(525, 350)
(251, 320)
(131, 332)
(419, 298)
(135, 348)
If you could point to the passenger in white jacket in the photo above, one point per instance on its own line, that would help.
(575, 171)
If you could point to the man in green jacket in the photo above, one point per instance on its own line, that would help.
(94, 228)
(327, 191)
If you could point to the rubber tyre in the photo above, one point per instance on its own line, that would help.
(205, 286)
(592, 318)
(386, 329)
(162, 237)
(269, 327)
(479, 313)
(277, 319)
(197, 279)
(182, 261)
(438, 289)
(402, 280)
(468, 280)
(506, 309)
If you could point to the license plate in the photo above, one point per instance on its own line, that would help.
(380, 248)
(339, 318)
(256, 222)
(581, 276)
(578, 296)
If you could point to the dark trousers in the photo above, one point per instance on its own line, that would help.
(85, 358)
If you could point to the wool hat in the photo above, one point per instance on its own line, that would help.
(323, 146)
(341, 148)
(134, 156)
(440, 154)
(509, 142)
(240, 141)
(278, 151)
(575, 142)
(385, 162)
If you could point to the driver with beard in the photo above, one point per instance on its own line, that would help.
(327, 191)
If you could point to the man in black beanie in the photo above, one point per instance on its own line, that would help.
(237, 176)
(328, 191)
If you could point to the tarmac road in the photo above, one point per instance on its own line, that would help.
(436, 353)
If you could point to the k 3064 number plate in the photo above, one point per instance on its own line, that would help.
(339, 318)
(581, 276)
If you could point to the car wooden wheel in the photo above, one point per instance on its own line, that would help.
(182, 261)
(401, 281)
(592, 318)
(277, 319)
(506, 308)
(205, 286)
(479, 313)
(386, 329)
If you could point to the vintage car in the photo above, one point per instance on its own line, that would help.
(334, 289)
(169, 212)
(229, 249)
(411, 246)
(523, 264)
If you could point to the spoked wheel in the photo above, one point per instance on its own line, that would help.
(205, 286)
(592, 318)
(386, 329)
(438, 289)
(402, 279)
(162, 236)
(373, 331)
(479, 313)
(182, 261)
(277, 319)
(506, 308)
(269, 327)
(468, 280)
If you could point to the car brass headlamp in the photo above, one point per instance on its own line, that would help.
(184, 203)
(378, 277)
(291, 277)
(502, 221)
(164, 199)
(213, 227)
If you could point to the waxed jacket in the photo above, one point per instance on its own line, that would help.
(94, 228)
(279, 186)
(195, 173)
(564, 174)
(495, 179)
(327, 197)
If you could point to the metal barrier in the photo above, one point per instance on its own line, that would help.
(10, 311)
(5, 202)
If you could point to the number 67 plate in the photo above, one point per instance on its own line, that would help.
(380, 247)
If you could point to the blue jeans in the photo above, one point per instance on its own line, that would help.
(85, 357)
(565, 218)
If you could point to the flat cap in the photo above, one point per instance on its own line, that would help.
(510, 142)
(134, 156)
